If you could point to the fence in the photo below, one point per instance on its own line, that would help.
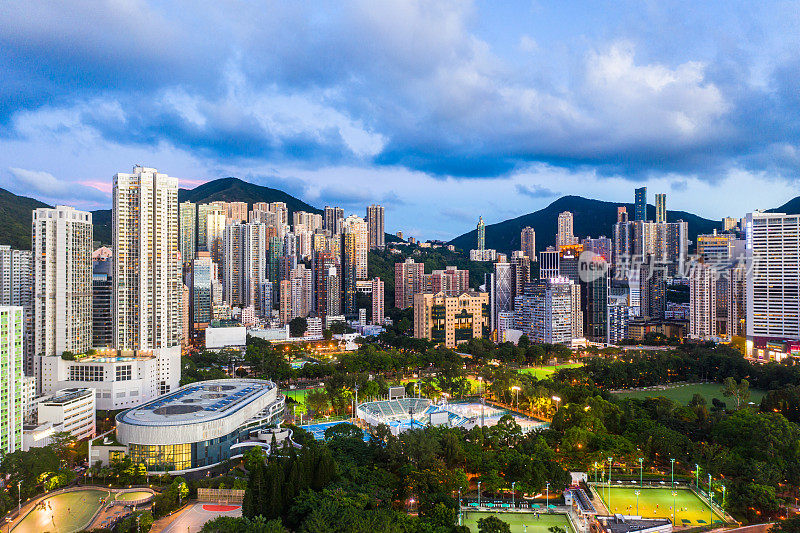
(220, 495)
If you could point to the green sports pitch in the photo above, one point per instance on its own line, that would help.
(544, 372)
(518, 521)
(63, 513)
(690, 510)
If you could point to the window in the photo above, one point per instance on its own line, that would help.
(123, 373)
(86, 373)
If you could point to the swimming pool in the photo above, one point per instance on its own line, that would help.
(318, 430)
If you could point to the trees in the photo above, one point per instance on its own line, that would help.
(740, 392)
(298, 326)
(317, 401)
(492, 524)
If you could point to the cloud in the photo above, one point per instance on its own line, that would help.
(679, 185)
(48, 186)
(534, 191)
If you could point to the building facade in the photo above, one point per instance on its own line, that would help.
(450, 320)
(12, 320)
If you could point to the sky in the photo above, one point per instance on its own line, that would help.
(439, 110)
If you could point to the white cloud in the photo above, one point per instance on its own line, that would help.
(44, 184)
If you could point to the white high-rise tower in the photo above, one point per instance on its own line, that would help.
(147, 269)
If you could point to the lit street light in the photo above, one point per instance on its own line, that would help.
(672, 475)
(556, 399)
(479, 493)
(513, 493)
(516, 389)
(547, 487)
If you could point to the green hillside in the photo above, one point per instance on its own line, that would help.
(15, 219)
(592, 218)
(236, 190)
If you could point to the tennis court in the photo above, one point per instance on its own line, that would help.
(690, 510)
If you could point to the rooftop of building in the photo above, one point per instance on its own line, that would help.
(197, 402)
(630, 524)
(66, 396)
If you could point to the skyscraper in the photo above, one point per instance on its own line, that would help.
(546, 311)
(102, 315)
(147, 270)
(549, 263)
(773, 284)
(215, 230)
(350, 253)
(16, 288)
(11, 408)
(62, 251)
(188, 231)
(702, 302)
(481, 234)
(203, 210)
(334, 216)
(323, 262)
(408, 281)
(594, 283)
(357, 227)
(378, 311)
(640, 203)
(565, 235)
(661, 208)
(202, 275)
(652, 289)
(375, 225)
(528, 242)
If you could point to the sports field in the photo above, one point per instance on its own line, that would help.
(517, 521)
(63, 513)
(543, 372)
(657, 503)
(132, 496)
(683, 393)
(298, 395)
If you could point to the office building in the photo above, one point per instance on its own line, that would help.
(70, 410)
(16, 288)
(451, 320)
(102, 309)
(549, 263)
(661, 208)
(618, 314)
(702, 302)
(334, 218)
(716, 248)
(547, 312)
(481, 234)
(324, 261)
(594, 284)
(569, 256)
(408, 281)
(601, 246)
(357, 228)
(148, 292)
(773, 285)
(451, 281)
(11, 381)
(565, 235)
(375, 225)
(188, 231)
(652, 289)
(520, 271)
(333, 291)
(378, 310)
(528, 242)
(203, 272)
(640, 204)
(729, 223)
(61, 240)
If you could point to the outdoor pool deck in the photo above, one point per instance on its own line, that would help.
(62, 513)
(318, 430)
(657, 502)
(518, 521)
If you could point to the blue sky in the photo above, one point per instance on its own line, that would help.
(440, 110)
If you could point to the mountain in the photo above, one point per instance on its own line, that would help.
(15, 219)
(792, 207)
(15, 211)
(592, 218)
(236, 190)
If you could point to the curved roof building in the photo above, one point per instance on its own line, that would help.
(194, 427)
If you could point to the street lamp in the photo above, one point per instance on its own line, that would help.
(19, 497)
(513, 493)
(479, 493)
(697, 477)
(711, 500)
(641, 479)
(637, 492)
(610, 459)
(556, 399)
(459, 506)
(672, 476)
(547, 500)
(516, 389)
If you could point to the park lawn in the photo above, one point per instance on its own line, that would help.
(518, 520)
(683, 393)
(657, 503)
(71, 511)
(544, 372)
